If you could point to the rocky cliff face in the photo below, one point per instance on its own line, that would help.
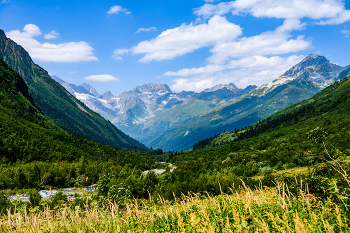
(319, 63)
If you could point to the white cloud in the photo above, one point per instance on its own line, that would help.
(118, 52)
(102, 78)
(332, 10)
(4, 1)
(146, 29)
(52, 35)
(268, 43)
(187, 38)
(254, 62)
(256, 70)
(116, 9)
(342, 17)
(73, 72)
(29, 31)
(345, 32)
(46, 52)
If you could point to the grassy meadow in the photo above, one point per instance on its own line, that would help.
(263, 209)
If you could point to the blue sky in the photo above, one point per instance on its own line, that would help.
(189, 45)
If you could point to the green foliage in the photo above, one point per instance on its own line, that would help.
(318, 134)
(119, 194)
(111, 190)
(58, 199)
(34, 197)
(4, 202)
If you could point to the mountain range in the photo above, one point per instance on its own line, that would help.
(300, 82)
(150, 109)
(58, 104)
(160, 118)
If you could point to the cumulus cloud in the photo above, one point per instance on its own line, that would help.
(118, 52)
(342, 17)
(187, 38)
(116, 9)
(146, 29)
(52, 35)
(102, 78)
(332, 10)
(255, 70)
(267, 43)
(46, 52)
(253, 62)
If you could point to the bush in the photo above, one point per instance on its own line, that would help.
(266, 170)
(34, 197)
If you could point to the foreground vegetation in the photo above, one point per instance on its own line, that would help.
(264, 209)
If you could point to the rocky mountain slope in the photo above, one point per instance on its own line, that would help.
(300, 82)
(57, 103)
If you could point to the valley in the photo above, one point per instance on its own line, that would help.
(159, 118)
(268, 158)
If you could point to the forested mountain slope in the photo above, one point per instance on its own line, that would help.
(35, 152)
(57, 103)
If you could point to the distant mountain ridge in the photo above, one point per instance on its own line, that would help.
(57, 103)
(150, 109)
(302, 81)
(230, 86)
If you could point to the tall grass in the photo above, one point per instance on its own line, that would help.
(261, 210)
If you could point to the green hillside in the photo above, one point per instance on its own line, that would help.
(58, 104)
(35, 152)
(325, 105)
(277, 143)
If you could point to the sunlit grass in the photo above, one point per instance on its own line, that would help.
(261, 210)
